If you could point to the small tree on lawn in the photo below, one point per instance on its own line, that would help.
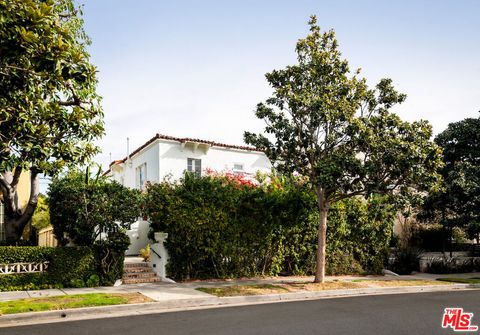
(328, 125)
(49, 110)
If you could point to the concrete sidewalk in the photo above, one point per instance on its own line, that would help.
(176, 291)
(155, 291)
(171, 297)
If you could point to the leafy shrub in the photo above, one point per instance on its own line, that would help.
(221, 227)
(41, 216)
(109, 207)
(71, 263)
(445, 265)
(77, 283)
(68, 266)
(27, 281)
(9, 254)
(406, 260)
(441, 265)
(340, 262)
(145, 253)
(93, 281)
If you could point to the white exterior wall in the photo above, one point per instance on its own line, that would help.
(174, 156)
(126, 173)
(168, 159)
(138, 235)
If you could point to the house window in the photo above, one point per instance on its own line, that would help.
(194, 165)
(141, 176)
(238, 168)
(2, 223)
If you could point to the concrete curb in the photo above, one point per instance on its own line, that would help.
(20, 319)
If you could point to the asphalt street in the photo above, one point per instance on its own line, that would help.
(419, 313)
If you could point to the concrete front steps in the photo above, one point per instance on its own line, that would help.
(136, 273)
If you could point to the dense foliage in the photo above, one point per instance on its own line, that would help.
(405, 260)
(50, 113)
(93, 212)
(434, 237)
(458, 202)
(66, 265)
(323, 121)
(81, 209)
(41, 216)
(443, 265)
(225, 226)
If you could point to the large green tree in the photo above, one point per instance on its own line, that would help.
(325, 123)
(457, 203)
(50, 112)
(82, 208)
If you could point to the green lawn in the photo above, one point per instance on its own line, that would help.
(473, 280)
(69, 301)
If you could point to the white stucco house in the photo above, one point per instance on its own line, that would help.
(166, 157)
(169, 157)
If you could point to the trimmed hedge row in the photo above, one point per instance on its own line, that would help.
(222, 227)
(68, 267)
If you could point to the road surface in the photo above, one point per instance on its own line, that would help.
(373, 315)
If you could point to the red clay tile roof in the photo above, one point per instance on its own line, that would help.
(183, 140)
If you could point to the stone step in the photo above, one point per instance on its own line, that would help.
(137, 270)
(141, 280)
(139, 275)
(136, 265)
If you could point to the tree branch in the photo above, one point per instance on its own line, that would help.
(32, 202)
(5, 185)
(16, 177)
(348, 195)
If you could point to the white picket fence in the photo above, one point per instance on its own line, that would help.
(6, 269)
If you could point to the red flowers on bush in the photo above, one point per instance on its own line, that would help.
(241, 179)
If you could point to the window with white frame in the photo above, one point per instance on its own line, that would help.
(195, 166)
(141, 176)
(238, 168)
(2, 223)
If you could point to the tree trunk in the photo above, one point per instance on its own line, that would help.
(451, 241)
(443, 240)
(17, 218)
(323, 206)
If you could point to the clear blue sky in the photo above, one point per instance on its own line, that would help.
(196, 68)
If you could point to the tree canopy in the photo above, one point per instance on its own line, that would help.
(50, 113)
(324, 122)
(458, 202)
(82, 208)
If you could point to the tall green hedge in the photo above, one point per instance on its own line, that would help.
(68, 266)
(222, 226)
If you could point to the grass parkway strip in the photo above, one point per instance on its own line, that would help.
(259, 289)
(70, 301)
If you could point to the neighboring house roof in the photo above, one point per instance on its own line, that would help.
(184, 140)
